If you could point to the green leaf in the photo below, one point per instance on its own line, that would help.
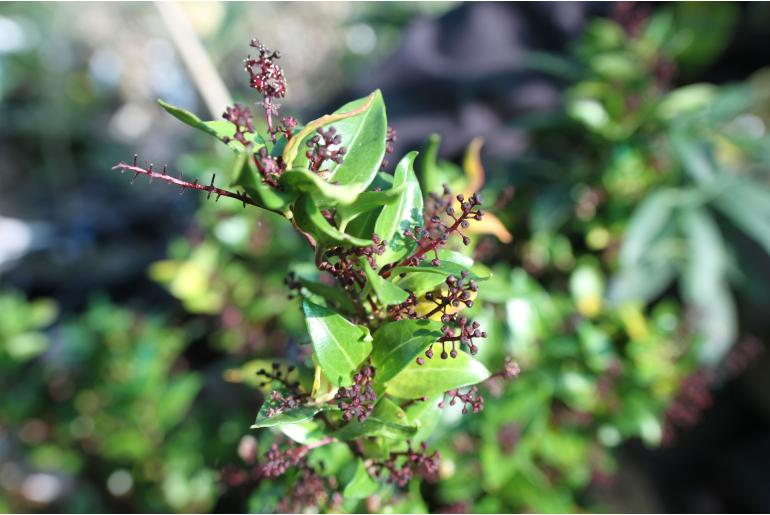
(387, 292)
(387, 420)
(425, 415)
(704, 285)
(362, 485)
(747, 204)
(363, 225)
(720, 22)
(329, 293)
(396, 344)
(646, 225)
(220, 129)
(292, 416)
(425, 277)
(432, 173)
(245, 175)
(339, 345)
(404, 214)
(694, 157)
(303, 181)
(436, 376)
(368, 201)
(310, 219)
(363, 135)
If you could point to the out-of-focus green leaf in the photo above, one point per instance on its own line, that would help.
(331, 294)
(646, 225)
(691, 22)
(704, 285)
(362, 485)
(747, 204)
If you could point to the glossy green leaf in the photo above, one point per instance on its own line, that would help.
(387, 420)
(425, 277)
(396, 344)
(331, 294)
(437, 375)
(310, 219)
(387, 292)
(426, 415)
(406, 213)
(220, 129)
(368, 201)
(363, 135)
(292, 416)
(432, 173)
(302, 181)
(340, 346)
(362, 485)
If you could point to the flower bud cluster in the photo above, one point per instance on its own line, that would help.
(268, 79)
(279, 401)
(443, 216)
(278, 461)
(342, 262)
(693, 398)
(243, 119)
(311, 490)
(459, 292)
(357, 401)
(264, 74)
(269, 167)
(406, 309)
(402, 466)
(321, 148)
(471, 399)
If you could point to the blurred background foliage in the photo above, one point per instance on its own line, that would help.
(624, 150)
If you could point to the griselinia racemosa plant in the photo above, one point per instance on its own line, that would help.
(386, 307)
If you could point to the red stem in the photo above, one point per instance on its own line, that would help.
(219, 192)
(424, 250)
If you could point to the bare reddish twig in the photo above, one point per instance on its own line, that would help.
(179, 181)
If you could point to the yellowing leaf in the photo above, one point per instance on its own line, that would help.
(474, 171)
(490, 224)
(634, 322)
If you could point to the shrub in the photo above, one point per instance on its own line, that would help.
(388, 307)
